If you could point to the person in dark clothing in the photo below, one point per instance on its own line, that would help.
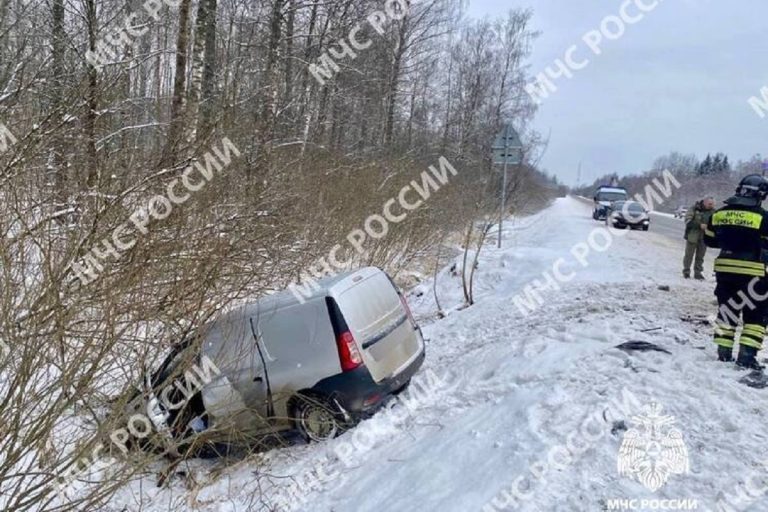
(740, 231)
(695, 222)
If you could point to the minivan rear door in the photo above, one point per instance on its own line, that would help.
(375, 315)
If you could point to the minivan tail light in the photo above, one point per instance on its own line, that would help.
(349, 354)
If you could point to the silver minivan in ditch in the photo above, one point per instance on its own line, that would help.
(317, 365)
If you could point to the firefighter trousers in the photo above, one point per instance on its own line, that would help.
(745, 298)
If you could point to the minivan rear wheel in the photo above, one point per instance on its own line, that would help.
(317, 419)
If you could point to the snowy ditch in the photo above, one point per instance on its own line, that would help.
(140, 425)
(348, 452)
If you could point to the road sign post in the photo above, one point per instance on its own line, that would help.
(503, 201)
(506, 150)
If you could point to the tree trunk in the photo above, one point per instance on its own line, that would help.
(209, 70)
(94, 176)
(179, 100)
(448, 104)
(306, 86)
(290, 27)
(411, 115)
(464, 275)
(58, 42)
(192, 115)
(272, 74)
(394, 81)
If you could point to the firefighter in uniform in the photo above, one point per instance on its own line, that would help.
(740, 231)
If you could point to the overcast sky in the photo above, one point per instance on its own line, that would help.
(678, 80)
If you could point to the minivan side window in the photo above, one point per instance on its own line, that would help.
(229, 344)
(298, 336)
(281, 335)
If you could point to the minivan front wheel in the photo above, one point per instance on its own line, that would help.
(316, 419)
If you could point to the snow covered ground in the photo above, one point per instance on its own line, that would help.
(525, 410)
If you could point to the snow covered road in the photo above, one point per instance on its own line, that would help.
(527, 412)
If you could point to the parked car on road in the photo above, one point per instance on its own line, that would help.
(628, 214)
(317, 367)
(604, 197)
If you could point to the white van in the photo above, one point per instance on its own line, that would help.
(278, 364)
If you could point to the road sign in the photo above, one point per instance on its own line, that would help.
(507, 148)
(511, 157)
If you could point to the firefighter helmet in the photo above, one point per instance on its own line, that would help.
(753, 186)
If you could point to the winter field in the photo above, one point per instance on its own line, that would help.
(526, 412)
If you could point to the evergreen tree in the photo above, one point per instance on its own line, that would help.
(717, 165)
(705, 167)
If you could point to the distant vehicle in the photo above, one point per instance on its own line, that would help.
(628, 214)
(680, 212)
(317, 367)
(604, 197)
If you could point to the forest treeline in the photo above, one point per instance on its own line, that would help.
(713, 175)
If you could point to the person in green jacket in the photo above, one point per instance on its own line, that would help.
(695, 224)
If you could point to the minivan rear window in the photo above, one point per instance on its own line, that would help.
(370, 304)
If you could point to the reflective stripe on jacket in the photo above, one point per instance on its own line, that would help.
(741, 232)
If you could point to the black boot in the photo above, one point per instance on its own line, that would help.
(725, 354)
(748, 358)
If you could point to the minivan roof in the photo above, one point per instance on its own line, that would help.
(286, 297)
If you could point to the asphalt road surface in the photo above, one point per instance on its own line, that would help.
(667, 226)
(661, 224)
